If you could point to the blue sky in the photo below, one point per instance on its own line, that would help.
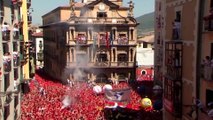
(41, 7)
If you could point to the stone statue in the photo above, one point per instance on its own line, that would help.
(72, 7)
(131, 7)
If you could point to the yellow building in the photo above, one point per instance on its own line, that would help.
(180, 46)
(93, 40)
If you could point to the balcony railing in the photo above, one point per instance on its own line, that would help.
(29, 18)
(1, 15)
(16, 59)
(16, 35)
(7, 66)
(6, 35)
(207, 73)
(28, 3)
(40, 56)
(81, 40)
(107, 20)
(102, 63)
(122, 63)
(208, 23)
(122, 41)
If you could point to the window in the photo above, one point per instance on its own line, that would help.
(12, 13)
(6, 112)
(122, 57)
(1, 11)
(145, 44)
(211, 4)
(209, 97)
(6, 81)
(178, 16)
(102, 57)
(101, 14)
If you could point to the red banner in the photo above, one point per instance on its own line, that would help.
(168, 105)
(107, 40)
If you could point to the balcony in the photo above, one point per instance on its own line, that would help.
(15, 35)
(28, 3)
(207, 73)
(1, 15)
(208, 23)
(29, 19)
(102, 63)
(6, 35)
(122, 41)
(123, 63)
(81, 40)
(40, 56)
(21, 38)
(7, 66)
(105, 20)
(16, 60)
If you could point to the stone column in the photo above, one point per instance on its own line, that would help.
(67, 37)
(91, 58)
(112, 56)
(116, 55)
(133, 56)
(74, 52)
(71, 54)
(130, 55)
(129, 34)
(68, 56)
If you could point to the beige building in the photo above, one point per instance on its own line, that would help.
(11, 39)
(93, 40)
(179, 39)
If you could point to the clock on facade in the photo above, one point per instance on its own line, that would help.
(101, 7)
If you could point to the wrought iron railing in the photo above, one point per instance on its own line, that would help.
(6, 35)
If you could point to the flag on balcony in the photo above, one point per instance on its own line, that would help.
(107, 40)
(111, 37)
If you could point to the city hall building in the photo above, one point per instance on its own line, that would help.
(91, 40)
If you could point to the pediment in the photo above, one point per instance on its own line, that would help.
(105, 2)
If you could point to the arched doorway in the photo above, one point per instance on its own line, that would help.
(102, 78)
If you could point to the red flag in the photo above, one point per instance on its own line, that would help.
(107, 40)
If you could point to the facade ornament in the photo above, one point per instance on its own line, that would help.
(72, 8)
(131, 7)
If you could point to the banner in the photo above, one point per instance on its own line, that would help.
(118, 95)
(107, 40)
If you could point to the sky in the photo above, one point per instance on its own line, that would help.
(41, 7)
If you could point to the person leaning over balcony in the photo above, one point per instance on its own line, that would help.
(207, 68)
(176, 29)
(5, 27)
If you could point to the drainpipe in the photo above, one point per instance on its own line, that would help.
(201, 4)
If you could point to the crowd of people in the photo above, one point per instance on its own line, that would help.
(55, 101)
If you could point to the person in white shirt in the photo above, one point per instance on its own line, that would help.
(5, 27)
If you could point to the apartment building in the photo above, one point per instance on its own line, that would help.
(11, 40)
(92, 40)
(180, 46)
(145, 57)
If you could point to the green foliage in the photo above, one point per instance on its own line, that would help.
(146, 23)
